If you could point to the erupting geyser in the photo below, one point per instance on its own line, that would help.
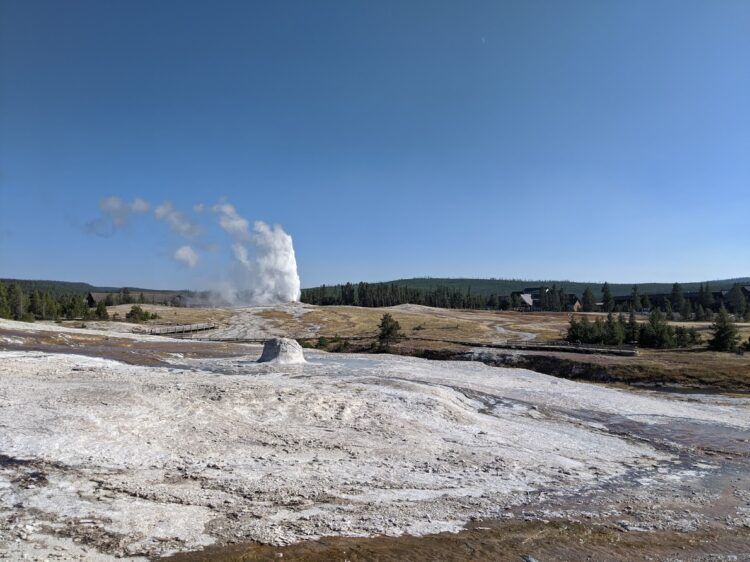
(266, 267)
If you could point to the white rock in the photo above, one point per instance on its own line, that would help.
(282, 350)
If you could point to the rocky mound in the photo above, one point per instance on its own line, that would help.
(281, 350)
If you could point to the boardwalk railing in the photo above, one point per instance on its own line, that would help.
(183, 329)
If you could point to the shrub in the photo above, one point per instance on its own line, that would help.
(655, 333)
(724, 333)
(101, 311)
(686, 337)
(339, 345)
(390, 331)
(137, 314)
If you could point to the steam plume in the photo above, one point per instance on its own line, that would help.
(187, 256)
(177, 221)
(115, 214)
(265, 264)
(264, 268)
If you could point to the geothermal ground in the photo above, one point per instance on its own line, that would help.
(117, 444)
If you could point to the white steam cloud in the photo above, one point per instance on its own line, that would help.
(264, 267)
(232, 223)
(186, 255)
(178, 222)
(115, 214)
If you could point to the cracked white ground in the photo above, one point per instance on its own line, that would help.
(100, 458)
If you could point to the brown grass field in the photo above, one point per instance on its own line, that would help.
(449, 333)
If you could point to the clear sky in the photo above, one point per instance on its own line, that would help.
(581, 140)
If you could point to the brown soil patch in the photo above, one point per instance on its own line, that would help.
(133, 352)
(499, 541)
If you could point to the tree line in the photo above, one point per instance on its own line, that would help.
(17, 304)
(555, 299)
(700, 307)
(655, 333)
(392, 294)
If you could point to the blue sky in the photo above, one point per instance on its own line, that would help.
(581, 140)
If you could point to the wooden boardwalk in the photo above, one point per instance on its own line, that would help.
(182, 329)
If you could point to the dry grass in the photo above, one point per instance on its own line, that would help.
(417, 322)
(437, 331)
(172, 315)
(287, 324)
(349, 321)
(695, 369)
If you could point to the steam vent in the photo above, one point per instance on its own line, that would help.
(282, 350)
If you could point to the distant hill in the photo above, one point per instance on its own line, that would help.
(484, 287)
(58, 288)
(487, 287)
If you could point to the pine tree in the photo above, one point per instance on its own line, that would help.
(724, 333)
(101, 310)
(390, 331)
(577, 330)
(589, 302)
(16, 301)
(657, 333)
(646, 302)
(613, 332)
(492, 302)
(557, 301)
(707, 299)
(686, 312)
(737, 301)
(677, 299)
(635, 298)
(597, 331)
(700, 313)
(4, 303)
(607, 301)
(36, 304)
(51, 307)
(632, 330)
(668, 310)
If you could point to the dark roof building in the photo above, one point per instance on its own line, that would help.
(94, 298)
